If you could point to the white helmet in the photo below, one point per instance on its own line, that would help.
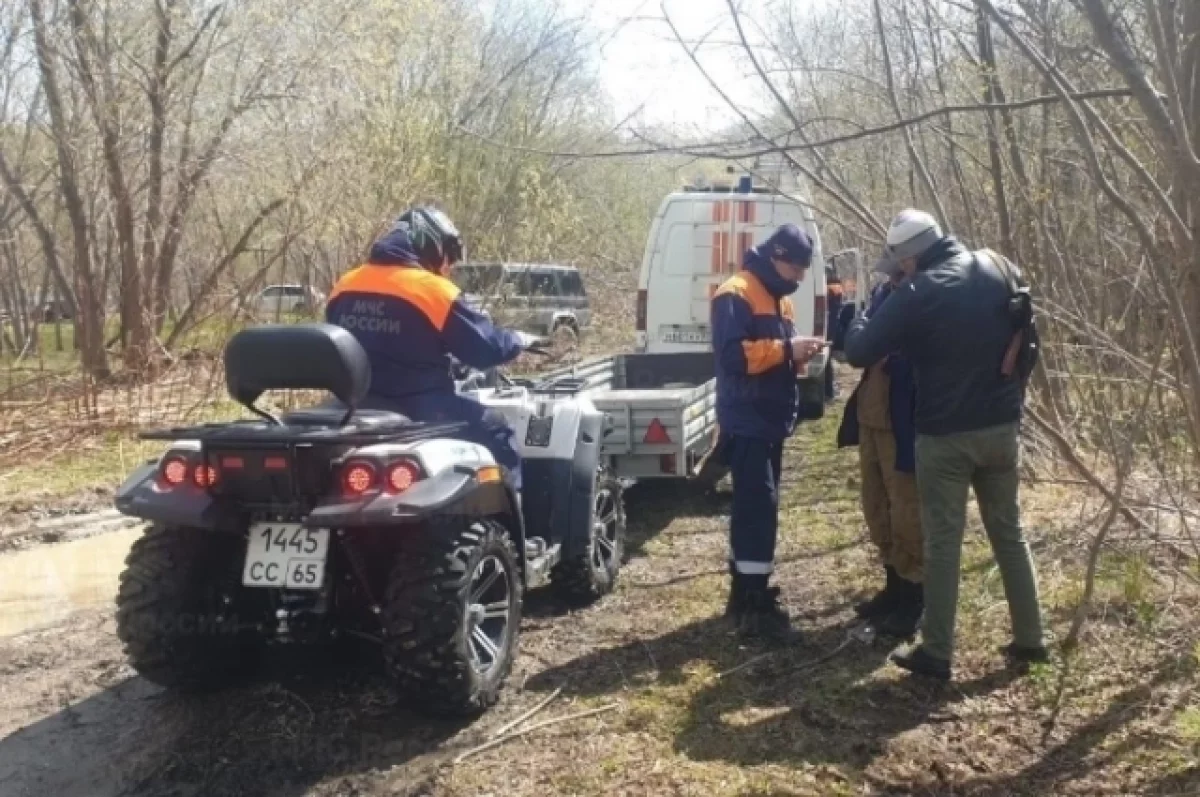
(911, 233)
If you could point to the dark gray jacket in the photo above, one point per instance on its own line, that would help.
(951, 321)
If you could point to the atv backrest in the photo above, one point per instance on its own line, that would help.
(296, 357)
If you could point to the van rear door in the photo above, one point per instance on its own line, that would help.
(697, 242)
(736, 225)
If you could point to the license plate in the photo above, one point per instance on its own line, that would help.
(285, 555)
(687, 335)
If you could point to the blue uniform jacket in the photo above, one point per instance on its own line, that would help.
(752, 323)
(411, 321)
(902, 401)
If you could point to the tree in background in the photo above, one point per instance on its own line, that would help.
(166, 161)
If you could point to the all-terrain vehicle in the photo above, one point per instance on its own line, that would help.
(336, 521)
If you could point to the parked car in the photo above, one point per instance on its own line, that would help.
(53, 310)
(277, 299)
(541, 298)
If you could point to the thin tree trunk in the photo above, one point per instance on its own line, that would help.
(104, 107)
(91, 312)
(918, 163)
(987, 59)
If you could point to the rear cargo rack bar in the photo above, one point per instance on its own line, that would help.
(256, 432)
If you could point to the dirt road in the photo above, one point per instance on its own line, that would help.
(829, 717)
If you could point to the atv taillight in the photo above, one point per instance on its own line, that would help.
(174, 471)
(358, 478)
(204, 476)
(402, 475)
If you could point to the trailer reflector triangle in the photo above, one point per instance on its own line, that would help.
(656, 434)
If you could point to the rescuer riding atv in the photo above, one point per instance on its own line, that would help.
(416, 519)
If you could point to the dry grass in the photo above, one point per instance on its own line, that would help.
(1121, 717)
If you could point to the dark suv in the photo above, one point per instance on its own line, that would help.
(542, 298)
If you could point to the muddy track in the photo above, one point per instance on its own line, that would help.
(319, 722)
(76, 722)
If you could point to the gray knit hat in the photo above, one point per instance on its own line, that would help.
(911, 233)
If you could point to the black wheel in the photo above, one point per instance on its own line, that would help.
(711, 473)
(452, 616)
(812, 399)
(592, 574)
(565, 335)
(176, 609)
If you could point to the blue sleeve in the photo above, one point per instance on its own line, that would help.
(873, 337)
(471, 338)
(841, 323)
(730, 326)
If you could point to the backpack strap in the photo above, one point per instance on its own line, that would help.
(1016, 288)
(1005, 267)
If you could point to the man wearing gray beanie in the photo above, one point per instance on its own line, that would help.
(950, 319)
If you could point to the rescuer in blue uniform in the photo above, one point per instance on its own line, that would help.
(411, 319)
(758, 356)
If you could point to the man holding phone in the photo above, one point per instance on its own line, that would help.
(758, 357)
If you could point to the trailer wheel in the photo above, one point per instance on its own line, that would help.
(589, 576)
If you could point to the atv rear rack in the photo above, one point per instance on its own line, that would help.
(257, 433)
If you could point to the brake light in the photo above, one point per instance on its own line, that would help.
(641, 311)
(819, 312)
(657, 434)
(275, 463)
(174, 471)
(204, 476)
(402, 475)
(358, 478)
(232, 463)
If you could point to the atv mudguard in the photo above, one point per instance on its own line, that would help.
(140, 497)
(457, 492)
(559, 494)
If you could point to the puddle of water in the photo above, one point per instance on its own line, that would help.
(46, 584)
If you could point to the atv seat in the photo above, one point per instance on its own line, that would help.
(332, 416)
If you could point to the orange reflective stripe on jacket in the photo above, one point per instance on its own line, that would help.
(761, 355)
(432, 294)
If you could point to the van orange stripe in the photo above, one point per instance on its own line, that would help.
(433, 295)
(718, 263)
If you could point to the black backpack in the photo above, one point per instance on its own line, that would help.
(1025, 348)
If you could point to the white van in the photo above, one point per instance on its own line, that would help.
(698, 240)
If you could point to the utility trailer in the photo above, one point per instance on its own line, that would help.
(661, 408)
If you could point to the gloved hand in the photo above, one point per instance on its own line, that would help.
(527, 340)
